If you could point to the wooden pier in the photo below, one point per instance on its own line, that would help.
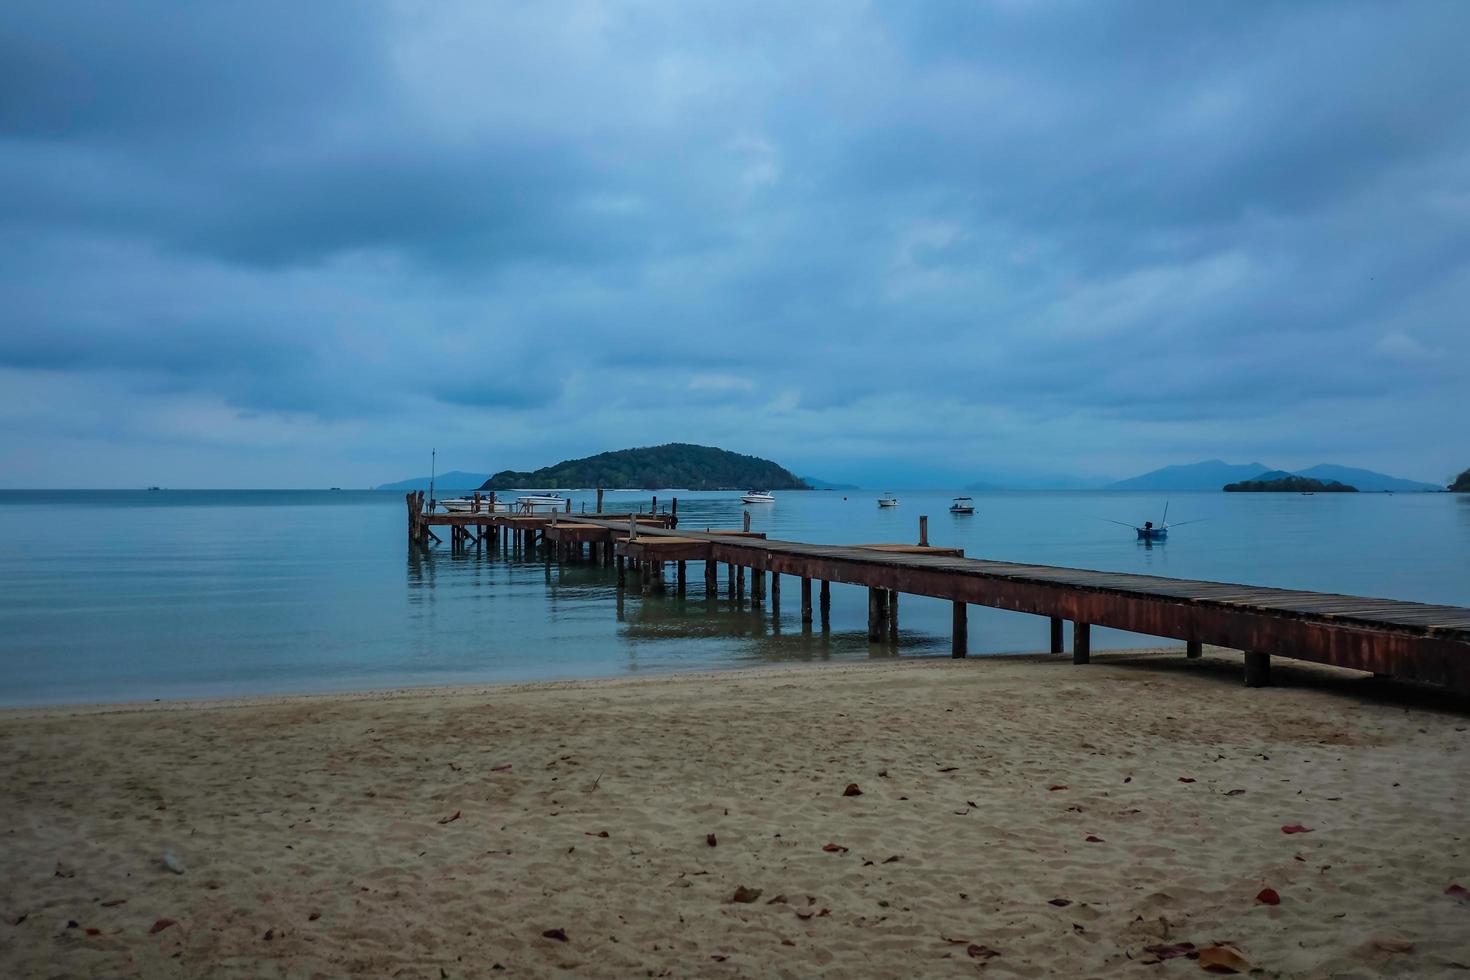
(1408, 640)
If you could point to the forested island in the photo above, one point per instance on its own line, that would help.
(679, 465)
(1283, 482)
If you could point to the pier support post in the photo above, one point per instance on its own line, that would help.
(923, 531)
(747, 520)
(1257, 669)
(757, 585)
(825, 602)
(1081, 643)
(776, 595)
(730, 579)
(739, 582)
(877, 614)
(711, 578)
(681, 574)
(1193, 649)
(892, 615)
(599, 500)
(622, 571)
(806, 602)
(960, 633)
(1056, 634)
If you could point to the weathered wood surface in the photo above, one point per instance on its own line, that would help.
(1416, 641)
(539, 521)
(664, 549)
(913, 549)
(577, 533)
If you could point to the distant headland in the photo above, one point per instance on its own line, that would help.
(1278, 481)
(679, 465)
(1462, 483)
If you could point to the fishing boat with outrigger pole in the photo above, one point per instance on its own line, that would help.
(1151, 531)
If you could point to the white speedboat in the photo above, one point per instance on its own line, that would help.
(758, 497)
(962, 505)
(464, 505)
(888, 500)
(540, 502)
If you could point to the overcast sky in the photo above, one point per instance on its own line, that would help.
(298, 244)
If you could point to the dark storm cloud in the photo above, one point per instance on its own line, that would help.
(1069, 224)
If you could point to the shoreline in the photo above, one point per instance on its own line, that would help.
(442, 690)
(1057, 819)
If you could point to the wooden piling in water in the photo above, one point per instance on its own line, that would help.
(1056, 634)
(877, 614)
(1193, 649)
(806, 601)
(923, 531)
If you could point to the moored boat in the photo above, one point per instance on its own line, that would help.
(888, 500)
(758, 497)
(543, 502)
(465, 505)
(962, 505)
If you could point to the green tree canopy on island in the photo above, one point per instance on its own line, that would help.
(679, 465)
(1462, 483)
(1279, 481)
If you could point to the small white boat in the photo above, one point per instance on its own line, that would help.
(888, 500)
(542, 502)
(962, 505)
(758, 497)
(464, 505)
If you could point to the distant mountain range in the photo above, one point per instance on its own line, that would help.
(817, 484)
(1213, 474)
(453, 480)
(679, 465)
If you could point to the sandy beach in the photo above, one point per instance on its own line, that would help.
(1006, 816)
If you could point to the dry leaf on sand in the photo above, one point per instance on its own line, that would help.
(1223, 959)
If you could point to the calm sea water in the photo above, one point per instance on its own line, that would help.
(135, 595)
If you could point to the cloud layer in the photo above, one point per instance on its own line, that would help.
(284, 244)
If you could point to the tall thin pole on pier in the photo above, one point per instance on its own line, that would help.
(433, 463)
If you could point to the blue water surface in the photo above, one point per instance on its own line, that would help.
(127, 595)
